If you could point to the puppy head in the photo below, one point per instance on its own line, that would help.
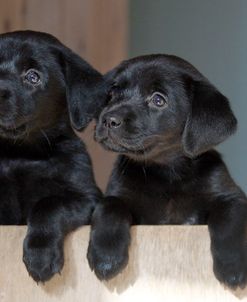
(162, 104)
(41, 80)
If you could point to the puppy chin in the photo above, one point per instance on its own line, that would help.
(108, 144)
(13, 133)
(118, 145)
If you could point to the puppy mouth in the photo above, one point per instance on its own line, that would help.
(127, 146)
(9, 131)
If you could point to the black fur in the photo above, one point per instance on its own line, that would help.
(167, 172)
(45, 171)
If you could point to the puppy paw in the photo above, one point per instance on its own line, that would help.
(43, 257)
(107, 257)
(106, 265)
(233, 274)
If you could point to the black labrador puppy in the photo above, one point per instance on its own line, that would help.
(164, 118)
(45, 171)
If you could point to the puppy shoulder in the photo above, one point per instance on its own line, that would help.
(216, 177)
(74, 150)
(116, 180)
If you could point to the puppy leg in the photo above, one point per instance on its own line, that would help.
(10, 210)
(227, 226)
(109, 238)
(48, 223)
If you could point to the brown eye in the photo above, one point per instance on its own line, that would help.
(114, 90)
(158, 99)
(32, 76)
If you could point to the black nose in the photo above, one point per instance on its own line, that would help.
(4, 94)
(112, 122)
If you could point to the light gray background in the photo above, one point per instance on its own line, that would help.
(212, 35)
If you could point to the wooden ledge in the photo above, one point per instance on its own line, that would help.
(167, 263)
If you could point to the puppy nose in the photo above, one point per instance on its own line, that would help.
(112, 122)
(4, 94)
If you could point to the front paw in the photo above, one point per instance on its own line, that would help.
(43, 256)
(232, 273)
(108, 256)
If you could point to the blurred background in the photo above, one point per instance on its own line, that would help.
(209, 34)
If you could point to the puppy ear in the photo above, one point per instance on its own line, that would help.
(84, 89)
(210, 120)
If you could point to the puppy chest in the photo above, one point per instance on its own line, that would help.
(27, 178)
(179, 212)
(151, 207)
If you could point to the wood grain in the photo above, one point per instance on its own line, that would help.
(167, 263)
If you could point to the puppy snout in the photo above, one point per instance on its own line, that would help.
(5, 103)
(112, 121)
(4, 93)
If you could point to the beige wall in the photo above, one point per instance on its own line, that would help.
(96, 29)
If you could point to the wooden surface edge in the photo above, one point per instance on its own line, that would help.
(167, 263)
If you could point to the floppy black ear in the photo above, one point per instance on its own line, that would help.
(84, 89)
(210, 120)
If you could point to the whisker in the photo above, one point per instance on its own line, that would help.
(46, 137)
(124, 166)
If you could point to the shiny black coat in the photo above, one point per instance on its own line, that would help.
(164, 118)
(45, 172)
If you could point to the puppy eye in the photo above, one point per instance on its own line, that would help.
(32, 76)
(158, 99)
(114, 89)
